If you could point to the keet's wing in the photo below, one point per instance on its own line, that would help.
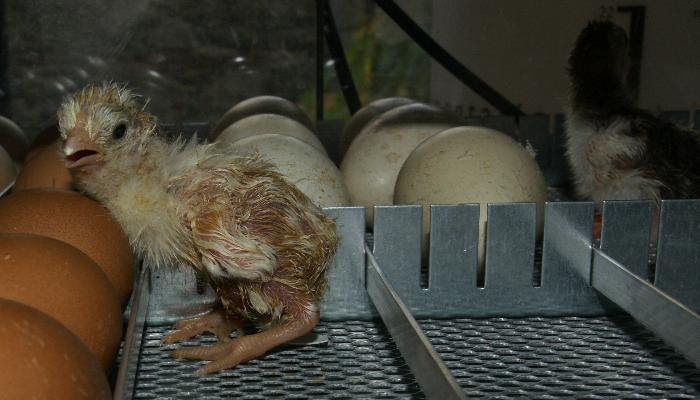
(227, 253)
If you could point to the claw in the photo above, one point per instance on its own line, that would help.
(220, 364)
(245, 348)
(203, 352)
(216, 322)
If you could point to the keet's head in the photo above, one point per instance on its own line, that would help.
(99, 122)
(601, 50)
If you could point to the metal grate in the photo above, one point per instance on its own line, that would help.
(360, 361)
(545, 358)
(552, 358)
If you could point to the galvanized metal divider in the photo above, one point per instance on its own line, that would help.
(138, 312)
(509, 288)
(670, 307)
(678, 255)
(575, 275)
(625, 237)
(510, 247)
(347, 296)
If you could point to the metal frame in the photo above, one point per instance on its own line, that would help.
(578, 278)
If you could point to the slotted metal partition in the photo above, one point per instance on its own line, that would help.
(592, 325)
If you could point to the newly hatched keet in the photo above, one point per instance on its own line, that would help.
(263, 244)
(616, 150)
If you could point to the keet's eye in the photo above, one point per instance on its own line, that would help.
(119, 131)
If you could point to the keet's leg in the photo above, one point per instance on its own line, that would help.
(244, 348)
(216, 322)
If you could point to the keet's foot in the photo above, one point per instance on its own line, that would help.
(216, 322)
(245, 348)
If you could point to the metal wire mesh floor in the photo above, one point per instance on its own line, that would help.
(554, 358)
(544, 358)
(360, 361)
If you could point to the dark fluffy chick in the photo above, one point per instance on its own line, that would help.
(263, 245)
(616, 150)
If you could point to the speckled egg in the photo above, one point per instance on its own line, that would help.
(77, 220)
(63, 282)
(470, 165)
(364, 115)
(261, 124)
(373, 161)
(302, 165)
(42, 359)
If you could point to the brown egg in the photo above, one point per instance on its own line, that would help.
(44, 168)
(77, 220)
(63, 282)
(41, 359)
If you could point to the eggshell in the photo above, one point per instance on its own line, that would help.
(44, 169)
(261, 124)
(302, 165)
(364, 115)
(13, 139)
(77, 220)
(261, 105)
(8, 171)
(41, 359)
(373, 161)
(470, 165)
(63, 282)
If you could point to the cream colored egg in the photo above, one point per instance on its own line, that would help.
(364, 115)
(373, 161)
(8, 171)
(261, 124)
(470, 165)
(302, 165)
(261, 105)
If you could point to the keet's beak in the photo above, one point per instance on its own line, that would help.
(79, 151)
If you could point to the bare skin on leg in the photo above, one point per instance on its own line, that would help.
(229, 354)
(216, 322)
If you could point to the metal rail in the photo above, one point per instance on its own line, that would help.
(430, 371)
(665, 316)
(126, 377)
(670, 320)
